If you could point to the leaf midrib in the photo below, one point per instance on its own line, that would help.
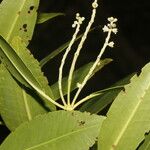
(15, 21)
(37, 87)
(57, 138)
(130, 118)
(27, 108)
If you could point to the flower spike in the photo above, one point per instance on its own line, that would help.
(111, 27)
(76, 24)
(94, 5)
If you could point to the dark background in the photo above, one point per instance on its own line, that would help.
(132, 46)
(131, 51)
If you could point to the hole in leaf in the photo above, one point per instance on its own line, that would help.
(81, 123)
(31, 7)
(24, 26)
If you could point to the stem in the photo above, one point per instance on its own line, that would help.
(96, 94)
(85, 99)
(50, 99)
(78, 51)
(40, 92)
(92, 68)
(63, 62)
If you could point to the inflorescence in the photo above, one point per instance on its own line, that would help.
(109, 29)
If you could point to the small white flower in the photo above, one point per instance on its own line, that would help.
(94, 5)
(115, 19)
(111, 44)
(73, 25)
(110, 19)
(105, 29)
(80, 20)
(77, 14)
(111, 26)
(114, 30)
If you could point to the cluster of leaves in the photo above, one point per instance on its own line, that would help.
(33, 120)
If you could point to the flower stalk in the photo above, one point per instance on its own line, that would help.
(77, 25)
(109, 28)
(94, 5)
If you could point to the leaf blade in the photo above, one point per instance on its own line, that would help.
(16, 106)
(128, 118)
(98, 103)
(21, 19)
(28, 73)
(43, 17)
(57, 137)
(15, 64)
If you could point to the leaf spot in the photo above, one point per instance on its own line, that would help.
(81, 123)
(113, 146)
(19, 12)
(25, 26)
(31, 7)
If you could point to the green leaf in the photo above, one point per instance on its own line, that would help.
(78, 77)
(58, 51)
(43, 17)
(146, 144)
(24, 67)
(128, 118)
(107, 96)
(60, 130)
(18, 18)
(16, 106)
